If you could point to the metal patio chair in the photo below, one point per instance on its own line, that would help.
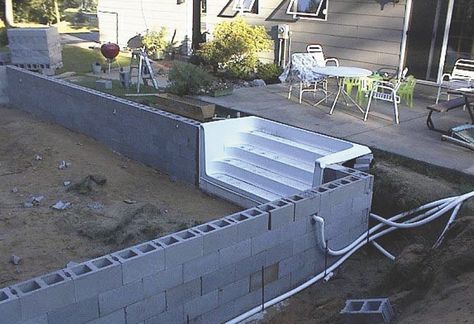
(387, 91)
(300, 70)
(462, 76)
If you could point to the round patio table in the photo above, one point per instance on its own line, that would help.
(341, 72)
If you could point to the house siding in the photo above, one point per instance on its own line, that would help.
(357, 32)
(136, 17)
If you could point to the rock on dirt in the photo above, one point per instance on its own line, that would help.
(15, 259)
(88, 184)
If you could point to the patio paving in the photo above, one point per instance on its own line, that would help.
(411, 138)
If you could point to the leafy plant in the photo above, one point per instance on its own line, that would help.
(235, 47)
(268, 71)
(155, 41)
(186, 78)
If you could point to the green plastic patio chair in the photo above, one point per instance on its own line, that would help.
(350, 83)
(406, 90)
(365, 86)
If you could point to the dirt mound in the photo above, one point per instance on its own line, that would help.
(88, 184)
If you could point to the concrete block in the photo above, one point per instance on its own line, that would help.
(234, 290)
(95, 276)
(9, 306)
(278, 253)
(247, 302)
(290, 265)
(375, 310)
(306, 203)
(280, 212)
(163, 280)
(103, 84)
(270, 274)
(235, 253)
(344, 191)
(43, 319)
(219, 314)
(173, 316)
(304, 242)
(325, 201)
(117, 317)
(140, 261)
(302, 274)
(118, 298)
(277, 287)
(266, 241)
(201, 305)
(218, 279)
(250, 223)
(249, 265)
(361, 202)
(81, 312)
(181, 247)
(201, 266)
(217, 235)
(145, 309)
(183, 293)
(44, 294)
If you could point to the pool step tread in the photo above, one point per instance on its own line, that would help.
(246, 186)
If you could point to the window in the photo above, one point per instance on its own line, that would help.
(309, 9)
(250, 6)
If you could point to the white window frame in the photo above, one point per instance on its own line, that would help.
(239, 6)
(314, 16)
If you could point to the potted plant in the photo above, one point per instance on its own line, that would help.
(155, 43)
(220, 88)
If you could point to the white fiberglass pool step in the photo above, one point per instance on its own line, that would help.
(252, 160)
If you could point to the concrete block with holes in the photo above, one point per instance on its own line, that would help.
(280, 212)
(365, 311)
(145, 309)
(9, 306)
(118, 298)
(181, 247)
(306, 203)
(251, 222)
(163, 280)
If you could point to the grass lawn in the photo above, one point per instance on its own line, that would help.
(79, 59)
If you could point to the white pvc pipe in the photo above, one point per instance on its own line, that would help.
(443, 202)
(448, 225)
(384, 252)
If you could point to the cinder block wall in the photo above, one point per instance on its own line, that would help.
(3, 85)
(206, 274)
(157, 138)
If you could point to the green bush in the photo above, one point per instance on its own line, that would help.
(186, 78)
(154, 41)
(268, 71)
(235, 46)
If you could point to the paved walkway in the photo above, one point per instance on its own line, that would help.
(411, 138)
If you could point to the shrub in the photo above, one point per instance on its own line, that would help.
(155, 41)
(186, 78)
(268, 71)
(235, 46)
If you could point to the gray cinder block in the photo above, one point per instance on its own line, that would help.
(306, 203)
(280, 212)
(103, 84)
(245, 303)
(181, 294)
(9, 306)
(43, 319)
(163, 280)
(95, 276)
(279, 252)
(234, 290)
(219, 314)
(251, 222)
(145, 309)
(173, 316)
(290, 265)
(118, 298)
(374, 310)
(249, 265)
(181, 247)
(140, 261)
(277, 287)
(234, 253)
(117, 317)
(217, 235)
(81, 312)
(43, 294)
(200, 266)
(218, 279)
(200, 305)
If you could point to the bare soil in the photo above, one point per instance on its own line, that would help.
(99, 221)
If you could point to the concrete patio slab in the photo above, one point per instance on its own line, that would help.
(411, 138)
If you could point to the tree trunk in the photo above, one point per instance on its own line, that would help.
(9, 21)
(56, 12)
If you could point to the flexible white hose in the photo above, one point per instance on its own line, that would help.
(448, 225)
(441, 205)
(384, 252)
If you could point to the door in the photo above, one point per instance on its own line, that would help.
(425, 38)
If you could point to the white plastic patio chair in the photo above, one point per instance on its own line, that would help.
(300, 70)
(461, 76)
(316, 51)
(386, 91)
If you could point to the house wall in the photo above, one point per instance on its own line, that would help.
(357, 32)
(206, 274)
(156, 138)
(137, 16)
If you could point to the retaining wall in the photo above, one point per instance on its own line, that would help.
(3, 85)
(157, 138)
(207, 274)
